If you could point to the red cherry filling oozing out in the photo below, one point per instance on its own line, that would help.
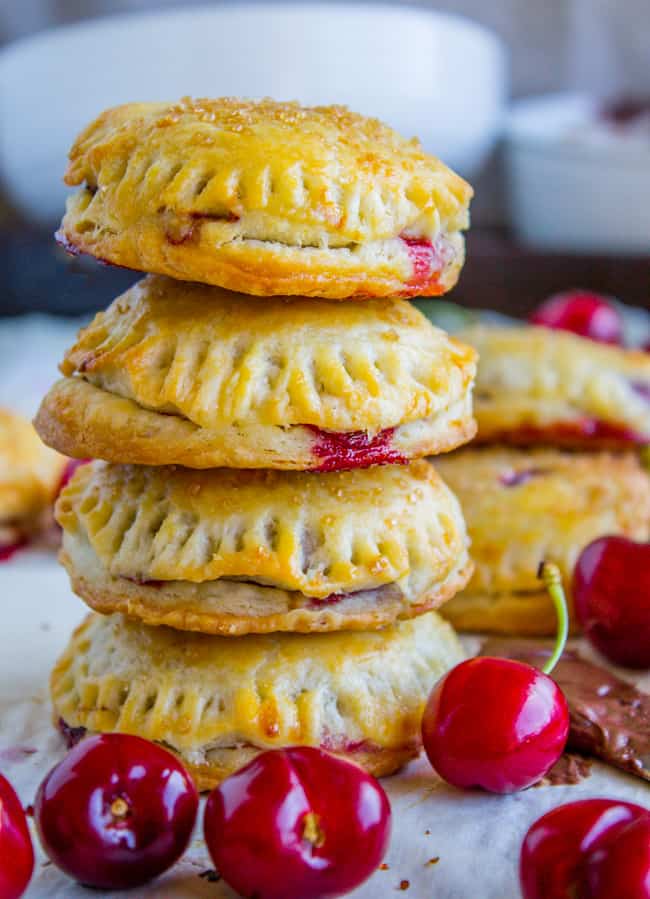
(582, 312)
(16, 851)
(429, 259)
(588, 430)
(295, 823)
(9, 550)
(354, 449)
(116, 812)
(495, 723)
(591, 849)
(611, 590)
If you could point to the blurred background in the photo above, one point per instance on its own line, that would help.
(543, 106)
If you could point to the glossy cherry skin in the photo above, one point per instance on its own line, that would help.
(496, 724)
(622, 868)
(16, 851)
(611, 595)
(297, 823)
(565, 848)
(116, 812)
(581, 312)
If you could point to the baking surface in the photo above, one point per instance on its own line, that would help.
(475, 836)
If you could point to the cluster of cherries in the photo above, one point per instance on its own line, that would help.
(294, 823)
(300, 822)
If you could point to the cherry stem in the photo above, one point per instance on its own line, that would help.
(550, 575)
(312, 830)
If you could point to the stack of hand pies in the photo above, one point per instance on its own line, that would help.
(262, 543)
(560, 421)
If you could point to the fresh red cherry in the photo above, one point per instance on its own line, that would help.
(623, 868)
(611, 594)
(16, 852)
(297, 822)
(564, 854)
(497, 723)
(582, 312)
(116, 812)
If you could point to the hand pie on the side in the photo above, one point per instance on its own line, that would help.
(185, 374)
(538, 386)
(235, 552)
(218, 702)
(30, 474)
(266, 198)
(523, 507)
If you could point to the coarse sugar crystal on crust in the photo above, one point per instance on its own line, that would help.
(266, 198)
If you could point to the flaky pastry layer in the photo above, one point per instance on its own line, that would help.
(316, 534)
(266, 198)
(539, 386)
(233, 607)
(86, 422)
(219, 360)
(218, 701)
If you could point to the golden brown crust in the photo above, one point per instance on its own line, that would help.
(234, 608)
(378, 762)
(316, 536)
(266, 198)
(219, 360)
(525, 506)
(30, 474)
(537, 386)
(218, 701)
(86, 422)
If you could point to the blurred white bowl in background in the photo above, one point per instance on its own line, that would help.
(573, 184)
(427, 73)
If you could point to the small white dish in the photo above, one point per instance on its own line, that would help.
(573, 183)
(439, 76)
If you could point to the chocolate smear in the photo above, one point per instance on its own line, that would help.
(568, 771)
(610, 718)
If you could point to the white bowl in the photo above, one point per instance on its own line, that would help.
(431, 74)
(573, 186)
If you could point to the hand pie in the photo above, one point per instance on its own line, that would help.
(266, 198)
(237, 552)
(176, 373)
(537, 386)
(217, 702)
(30, 474)
(523, 507)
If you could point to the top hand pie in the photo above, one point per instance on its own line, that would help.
(266, 198)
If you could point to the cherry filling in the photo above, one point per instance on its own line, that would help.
(7, 552)
(330, 600)
(429, 260)
(584, 430)
(515, 478)
(188, 230)
(642, 388)
(354, 449)
(143, 582)
(71, 735)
